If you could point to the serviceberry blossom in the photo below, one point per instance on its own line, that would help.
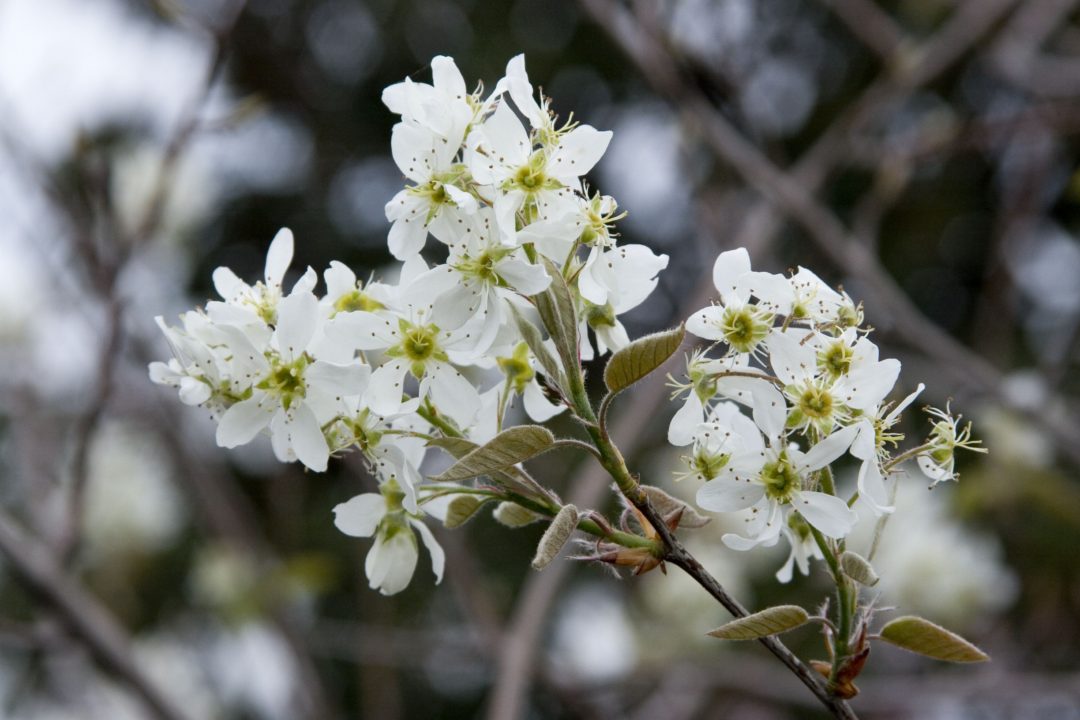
(529, 280)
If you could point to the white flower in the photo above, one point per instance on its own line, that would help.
(501, 155)
(869, 446)
(417, 347)
(292, 392)
(736, 321)
(766, 478)
(443, 108)
(392, 559)
(803, 547)
(435, 202)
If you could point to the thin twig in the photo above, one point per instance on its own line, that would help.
(39, 571)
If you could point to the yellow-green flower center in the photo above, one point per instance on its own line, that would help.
(745, 327)
(780, 479)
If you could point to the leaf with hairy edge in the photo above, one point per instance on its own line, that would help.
(555, 537)
(535, 341)
(501, 452)
(460, 447)
(513, 515)
(641, 357)
(456, 446)
(667, 505)
(556, 306)
(770, 621)
(462, 509)
(925, 638)
(858, 568)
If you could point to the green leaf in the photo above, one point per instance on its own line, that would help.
(501, 452)
(557, 310)
(462, 509)
(924, 637)
(555, 537)
(858, 568)
(456, 446)
(770, 621)
(667, 505)
(641, 357)
(533, 338)
(513, 515)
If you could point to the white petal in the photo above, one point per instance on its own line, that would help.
(363, 330)
(447, 78)
(685, 422)
(827, 513)
(729, 495)
(792, 360)
(306, 437)
(830, 448)
(297, 316)
(383, 394)
(278, 257)
(244, 420)
(895, 412)
(578, 151)
(727, 270)
(438, 557)
(526, 278)
(390, 564)
(705, 323)
(864, 446)
(865, 388)
(452, 394)
(340, 280)
(872, 488)
(537, 406)
(406, 238)
(770, 409)
(361, 515)
(193, 391)
(226, 283)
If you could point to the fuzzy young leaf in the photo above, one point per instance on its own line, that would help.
(513, 515)
(533, 338)
(667, 505)
(555, 537)
(462, 509)
(641, 357)
(925, 638)
(770, 621)
(859, 569)
(501, 452)
(556, 306)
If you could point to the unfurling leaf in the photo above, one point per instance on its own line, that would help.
(924, 637)
(555, 537)
(462, 509)
(534, 339)
(859, 569)
(501, 452)
(513, 515)
(556, 307)
(667, 506)
(641, 357)
(770, 621)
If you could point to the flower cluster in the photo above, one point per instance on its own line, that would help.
(379, 367)
(795, 354)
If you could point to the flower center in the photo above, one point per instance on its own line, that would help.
(745, 327)
(286, 380)
(836, 359)
(357, 300)
(780, 479)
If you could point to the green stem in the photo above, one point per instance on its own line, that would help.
(845, 602)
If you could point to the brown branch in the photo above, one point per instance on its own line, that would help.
(89, 620)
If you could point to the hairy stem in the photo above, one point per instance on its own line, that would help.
(674, 551)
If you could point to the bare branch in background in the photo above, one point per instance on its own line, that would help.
(37, 568)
